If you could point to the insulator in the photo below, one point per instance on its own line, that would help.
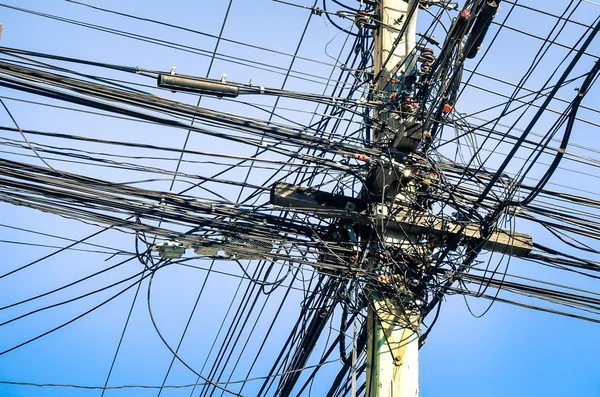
(427, 58)
(362, 19)
(362, 157)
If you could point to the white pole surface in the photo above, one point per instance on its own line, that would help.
(393, 343)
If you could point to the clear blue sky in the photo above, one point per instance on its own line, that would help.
(509, 351)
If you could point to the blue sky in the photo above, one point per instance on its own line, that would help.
(510, 351)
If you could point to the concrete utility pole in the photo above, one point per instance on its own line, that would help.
(393, 338)
(389, 202)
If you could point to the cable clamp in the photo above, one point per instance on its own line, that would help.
(317, 11)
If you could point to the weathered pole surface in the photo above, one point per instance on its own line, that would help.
(393, 339)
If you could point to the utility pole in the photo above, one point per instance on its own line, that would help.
(395, 206)
(393, 332)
